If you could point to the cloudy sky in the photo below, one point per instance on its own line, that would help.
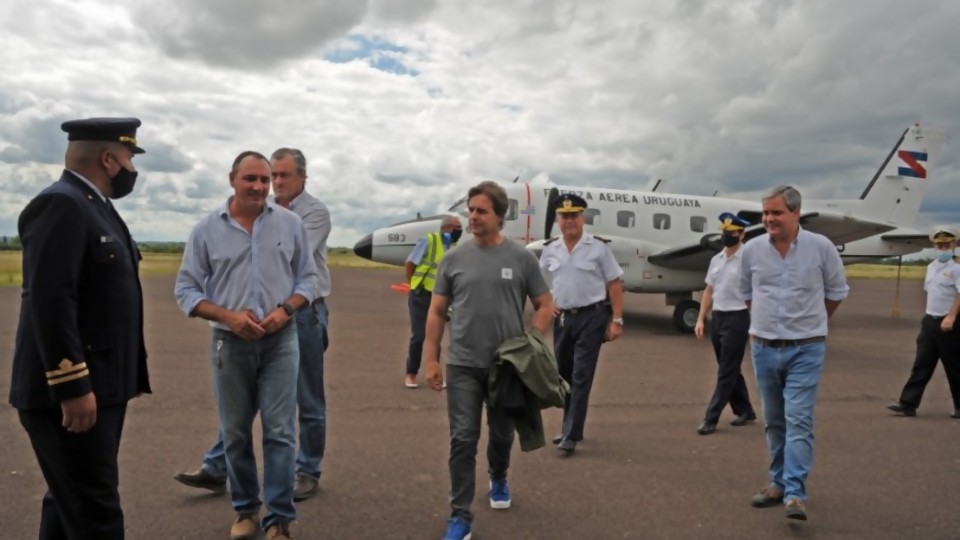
(401, 105)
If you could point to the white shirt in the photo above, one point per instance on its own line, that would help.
(316, 220)
(724, 276)
(788, 293)
(942, 285)
(579, 277)
(89, 183)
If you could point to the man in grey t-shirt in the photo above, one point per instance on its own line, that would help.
(487, 281)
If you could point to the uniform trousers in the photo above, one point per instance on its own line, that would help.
(418, 303)
(934, 344)
(577, 337)
(82, 500)
(729, 334)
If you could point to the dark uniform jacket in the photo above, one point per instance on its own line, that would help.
(523, 380)
(81, 312)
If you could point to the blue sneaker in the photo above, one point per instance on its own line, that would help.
(457, 529)
(499, 494)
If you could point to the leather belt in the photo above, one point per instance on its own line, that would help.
(781, 343)
(595, 305)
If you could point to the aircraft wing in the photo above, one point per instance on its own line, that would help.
(697, 256)
(839, 229)
(919, 240)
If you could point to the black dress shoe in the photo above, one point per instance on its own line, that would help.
(956, 414)
(743, 419)
(903, 409)
(202, 479)
(558, 439)
(567, 446)
(707, 428)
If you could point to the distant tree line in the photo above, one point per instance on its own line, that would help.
(10, 243)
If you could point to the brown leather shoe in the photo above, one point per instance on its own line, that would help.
(202, 479)
(246, 527)
(279, 531)
(767, 497)
(304, 487)
(795, 509)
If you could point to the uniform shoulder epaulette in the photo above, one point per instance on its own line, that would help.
(550, 241)
(602, 239)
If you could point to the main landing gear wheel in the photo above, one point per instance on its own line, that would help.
(685, 316)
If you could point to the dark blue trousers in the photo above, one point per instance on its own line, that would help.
(82, 500)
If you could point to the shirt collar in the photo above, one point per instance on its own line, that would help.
(89, 183)
(293, 202)
(225, 207)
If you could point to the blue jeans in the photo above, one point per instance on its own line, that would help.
(251, 376)
(313, 340)
(788, 379)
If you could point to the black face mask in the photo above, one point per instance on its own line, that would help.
(121, 184)
(730, 240)
(455, 235)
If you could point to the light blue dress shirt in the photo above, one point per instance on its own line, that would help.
(236, 270)
(316, 221)
(787, 293)
(579, 277)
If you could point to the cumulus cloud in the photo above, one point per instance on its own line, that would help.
(401, 106)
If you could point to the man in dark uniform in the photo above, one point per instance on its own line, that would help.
(80, 354)
(939, 333)
(585, 283)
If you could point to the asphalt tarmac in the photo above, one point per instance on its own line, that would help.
(642, 471)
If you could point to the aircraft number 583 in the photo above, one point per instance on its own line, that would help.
(396, 237)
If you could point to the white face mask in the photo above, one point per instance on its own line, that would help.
(945, 256)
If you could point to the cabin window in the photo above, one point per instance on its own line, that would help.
(626, 219)
(512, 210)
(591, 216)
(698, 223)
(661, 221)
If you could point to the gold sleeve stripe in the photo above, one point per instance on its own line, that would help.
(67, 370)
(68, 378)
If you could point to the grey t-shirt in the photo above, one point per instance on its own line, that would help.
(488, 288)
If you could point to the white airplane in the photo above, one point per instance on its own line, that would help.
(664, 242)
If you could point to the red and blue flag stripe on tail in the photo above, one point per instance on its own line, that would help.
(913, 162)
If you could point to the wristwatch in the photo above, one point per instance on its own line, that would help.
(618, 320)
(287, 308)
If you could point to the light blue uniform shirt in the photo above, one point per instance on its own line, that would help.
(579, 277)
(420, 249)
(942, 285)
(788, 293)
(316, 221)
(236, 270)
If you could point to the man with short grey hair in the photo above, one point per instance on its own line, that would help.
(792, 280)
(421, 273)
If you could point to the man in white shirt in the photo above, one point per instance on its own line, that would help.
(730, 322)
(939, 335)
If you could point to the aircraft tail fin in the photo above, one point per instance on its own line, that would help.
(896, 190)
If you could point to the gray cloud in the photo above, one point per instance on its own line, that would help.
(163, 157)
(247, 34)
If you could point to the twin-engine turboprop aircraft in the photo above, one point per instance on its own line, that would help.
(664, 241)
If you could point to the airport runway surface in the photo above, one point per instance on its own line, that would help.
(642, 472)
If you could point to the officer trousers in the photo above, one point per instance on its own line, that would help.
(418, 302)
(82, 500)
(934, 344)
(729, 331)
(577, 338)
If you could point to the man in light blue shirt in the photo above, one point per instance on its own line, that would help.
(289, 176)
(792, 280)
(247, 269)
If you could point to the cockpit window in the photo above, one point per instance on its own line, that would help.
(460, 207)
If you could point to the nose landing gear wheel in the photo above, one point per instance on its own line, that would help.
(685, 316)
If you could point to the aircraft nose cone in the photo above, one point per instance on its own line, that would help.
(364, 247)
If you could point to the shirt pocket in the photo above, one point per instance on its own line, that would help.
(808, 275)
(107, 251)
(589, 265)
